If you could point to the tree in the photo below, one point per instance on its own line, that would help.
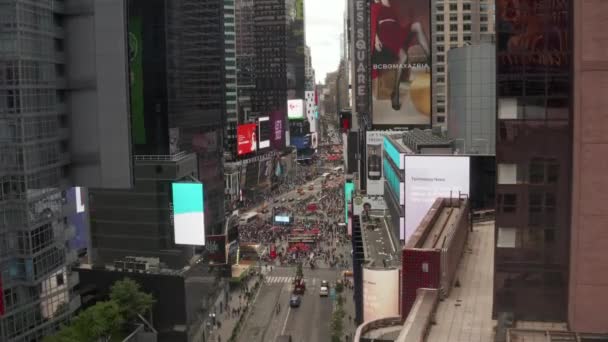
(339, 287)
(337, 324)
(299, 271)
(97, 323)
(130, 299)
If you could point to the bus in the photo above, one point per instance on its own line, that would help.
(248, 217)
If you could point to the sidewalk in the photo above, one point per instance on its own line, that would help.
(228, 319)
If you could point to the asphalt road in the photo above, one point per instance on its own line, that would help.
(307, 323)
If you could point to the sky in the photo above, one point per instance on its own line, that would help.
(324, 24)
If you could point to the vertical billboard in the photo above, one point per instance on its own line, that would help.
(246, 139)
(349, 188)
(295, 109)
(216, 248)
(380, 293)
(136, 79)
(400, 62)
(264, 132)
(310, 110)
(429, 177)
(188, 214)
(277, 127)
(361, 56)
(78, 218)
(374, 174)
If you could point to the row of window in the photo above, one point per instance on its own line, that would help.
(540, 171)
(453, 7)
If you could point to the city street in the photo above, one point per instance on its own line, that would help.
(309, 322)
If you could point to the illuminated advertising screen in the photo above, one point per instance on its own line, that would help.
(429, 177)
(301, 142)
(188, 214)
(246, 139)
(264, 132)
(281, 219)
(349, 188)
(216, 248)
(375, 176)
(380, 293)
(136, 86)
(401, 62)
(295, 109)
(78, 218)
(277, 128)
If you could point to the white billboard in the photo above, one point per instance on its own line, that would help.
(429, 177)
(380, 293)
(295, 109)
(188, 214)
(264, 132)
(375, 177)
(310, 110)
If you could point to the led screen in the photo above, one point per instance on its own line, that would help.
(429, 177)
(380, 293)
(401, 60)
(188, 214)
(281, 219)
(246, 139)
(349, 188)
(375, 177)
(264, 132)
(295, 109)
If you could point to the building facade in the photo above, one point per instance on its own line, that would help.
(53, 86)
(534, 160)
(456, 23)
(230, 62)
(472, 98)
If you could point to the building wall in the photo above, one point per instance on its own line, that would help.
(456, 23)
(588, 267)
(534, 162)
(472, 98)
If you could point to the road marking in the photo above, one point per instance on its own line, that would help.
(286, 318)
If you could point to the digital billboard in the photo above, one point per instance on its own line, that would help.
(363, 204)
(429, 177)
(295, 109)
(301, 142)
(375, 176)
(216, 247)
(310, 110)
(277, 126)
(136, 79)
(401, 62)
(281, 219)
(78, 218)
(264, 132)
(246, 139)
(349, 188)
(380, 293)
(188, 214)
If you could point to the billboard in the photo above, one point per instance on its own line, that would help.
(380, 293)
(361, 56)
(246, 139)
(277, 128)
(429, 177)
(78, 218)
(310, 110)
(349, 188)
(401, 62)
(188, 214)
(264, 132)
(314, 140)
(363, 204)
(295, 109)
(374, 174)
(281, 219)
(301, 142)
(216, 247)
(136, 80)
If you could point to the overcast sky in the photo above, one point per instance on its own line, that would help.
(324, 24)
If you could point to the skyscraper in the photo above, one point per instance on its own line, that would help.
(456, 23)
(63, 120)
(177, 108)
(551, 169)
(230, 73)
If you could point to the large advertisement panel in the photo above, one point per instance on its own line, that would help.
(188, 214)
(246, 139)
(364, 204)
(349, 188)
(295, 109)
(429, 177)
(361, 52)
(277, 128)
(78, 218)
(401, 60)
(264, 132)
(136, 79)
(380, 293)
(310, 110)
(301, 142)
(216, 247)
(374, 174)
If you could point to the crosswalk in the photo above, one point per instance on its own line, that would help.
(288, 280)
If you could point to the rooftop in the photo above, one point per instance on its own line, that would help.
(379, 248)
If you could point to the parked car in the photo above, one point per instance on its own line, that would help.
(295, 301)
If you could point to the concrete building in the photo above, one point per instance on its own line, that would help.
(309, 71)
(63, 120)
(551, 182)
(456, 23)
(472, 98)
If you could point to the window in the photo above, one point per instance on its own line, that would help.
(454, 38)
(507, 173)
(59, 279)
(440, 109)
(507, 108)
(453, 27)
(466, 17)
(440, 58)
(466, 27)
(440, 118)
(483, 28)
(440, 28)
(439, 17)
(466, 7)
(537, 172)
(439, 7)
(440, 48)
(440, 79)
(453, 7)
(440, 38)
(440, 69)
(507, 238)
(467, 38)
(507, 203)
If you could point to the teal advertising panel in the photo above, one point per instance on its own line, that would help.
(188, 213)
